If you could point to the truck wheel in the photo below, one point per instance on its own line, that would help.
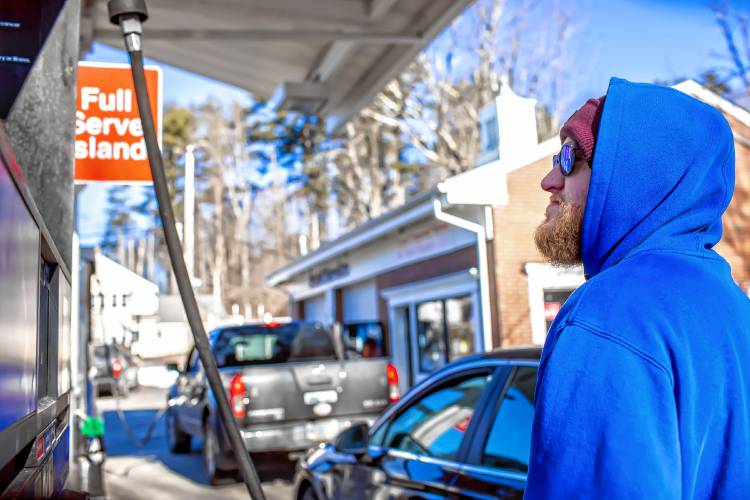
(211, 452)
(179, 442)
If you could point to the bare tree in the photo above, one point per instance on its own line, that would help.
(734, 69)
(235, 253)
(432, 109)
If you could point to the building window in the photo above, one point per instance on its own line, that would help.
(364, 339)
(460, 331)
(553, 302)
(444, 331)
(491, 135)
(549, 287)
(431, 335)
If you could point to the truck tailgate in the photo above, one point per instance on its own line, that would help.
(318, 389)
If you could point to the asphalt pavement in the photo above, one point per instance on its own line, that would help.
(152, 471)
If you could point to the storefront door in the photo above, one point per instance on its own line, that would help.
(433, 323)
(444, 331)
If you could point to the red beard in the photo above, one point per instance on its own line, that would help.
(559, 238)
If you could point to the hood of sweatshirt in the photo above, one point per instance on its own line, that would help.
(662, 175)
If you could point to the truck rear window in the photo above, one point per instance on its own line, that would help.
(260, 344)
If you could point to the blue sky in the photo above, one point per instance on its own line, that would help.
(644, 40)
(641, 40)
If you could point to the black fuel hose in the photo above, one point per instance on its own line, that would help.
(174, 248)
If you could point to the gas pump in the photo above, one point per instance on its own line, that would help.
(129, 15)
(35, 274)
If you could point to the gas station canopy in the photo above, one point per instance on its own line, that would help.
(328, 57)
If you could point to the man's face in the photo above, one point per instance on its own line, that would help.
(558, 237)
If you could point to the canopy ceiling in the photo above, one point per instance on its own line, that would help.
(330, 56)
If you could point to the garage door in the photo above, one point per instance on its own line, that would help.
(315, 309)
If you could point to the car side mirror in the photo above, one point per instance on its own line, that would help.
(373, 454)
(354, 441)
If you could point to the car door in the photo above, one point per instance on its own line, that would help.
(498, 458)
(416, 452)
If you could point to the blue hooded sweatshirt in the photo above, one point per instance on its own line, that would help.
(643, 387)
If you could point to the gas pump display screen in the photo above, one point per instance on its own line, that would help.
(24, 26)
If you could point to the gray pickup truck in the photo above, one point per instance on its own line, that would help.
(290, 387)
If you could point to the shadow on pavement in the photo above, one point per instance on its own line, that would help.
(190, 465)
(117, 443)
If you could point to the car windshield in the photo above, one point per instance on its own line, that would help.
(266, 344)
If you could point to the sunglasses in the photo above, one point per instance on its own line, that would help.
(565, 159)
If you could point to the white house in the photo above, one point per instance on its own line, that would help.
(122, 302)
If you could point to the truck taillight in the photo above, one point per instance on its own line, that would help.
(392, 374)
(237, 396)
(116, 368)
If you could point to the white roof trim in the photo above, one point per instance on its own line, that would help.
(487, 184)
(542, 150)
(695, 89)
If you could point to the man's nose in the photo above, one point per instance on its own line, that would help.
(553, 181)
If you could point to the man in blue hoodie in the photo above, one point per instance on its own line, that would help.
(644, 381)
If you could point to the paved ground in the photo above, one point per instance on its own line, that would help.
(152, 472)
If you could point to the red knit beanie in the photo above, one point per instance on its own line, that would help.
(583, 125)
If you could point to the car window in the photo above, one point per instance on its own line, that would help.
(100, 351)
(435, 424)
(508, 444)
(265, 344)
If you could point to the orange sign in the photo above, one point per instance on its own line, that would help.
(109, 137)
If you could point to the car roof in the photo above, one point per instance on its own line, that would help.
(526, 353)
(519, 353)
(283, 322)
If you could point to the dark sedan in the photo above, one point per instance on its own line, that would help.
(464, 432)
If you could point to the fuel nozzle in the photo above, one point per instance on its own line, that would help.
(129, 15)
